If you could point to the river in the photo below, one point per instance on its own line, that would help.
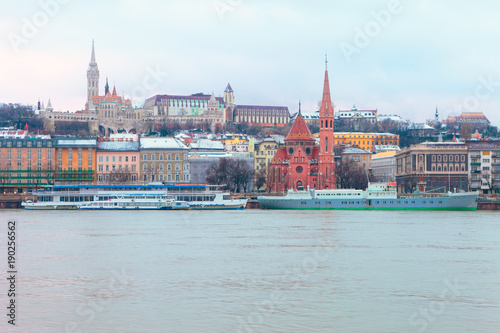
(253, 271)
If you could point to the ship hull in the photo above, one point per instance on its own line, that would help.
(463, 201)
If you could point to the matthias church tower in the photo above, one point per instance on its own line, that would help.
(92, 81)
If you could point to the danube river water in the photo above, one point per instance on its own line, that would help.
(253, 271)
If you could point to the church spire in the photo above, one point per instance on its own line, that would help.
(92, 57)
(326, 102)
(106, 88)
(114, 91)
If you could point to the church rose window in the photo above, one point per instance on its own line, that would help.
(299, 169)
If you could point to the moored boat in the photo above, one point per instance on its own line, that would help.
(378, 196)
(126, 201)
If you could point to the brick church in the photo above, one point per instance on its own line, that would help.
(302, 162)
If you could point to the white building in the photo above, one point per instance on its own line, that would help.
(484, 171)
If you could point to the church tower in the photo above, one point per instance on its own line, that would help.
(92, 81)
(326, 154)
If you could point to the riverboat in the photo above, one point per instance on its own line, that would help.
(378, 196)
(138, 200)
(85, 196)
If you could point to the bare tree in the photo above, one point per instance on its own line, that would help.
(260, 178)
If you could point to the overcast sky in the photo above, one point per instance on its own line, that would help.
(400, 57)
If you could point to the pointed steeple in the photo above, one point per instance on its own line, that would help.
(326, 102)
(49, 106)
(106, 88)
(114, 91)
(92, 57)
(300, 113)
(437, 113)
(212, 98)
(228, 88)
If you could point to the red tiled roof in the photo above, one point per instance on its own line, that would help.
(299, 131)
(280, 156)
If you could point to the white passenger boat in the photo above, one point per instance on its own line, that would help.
(149, 201)
(219, 201)
(111, 196)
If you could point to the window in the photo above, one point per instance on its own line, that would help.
(177, 167)
(134, 158)
(114, 159)
(101, 168)
(160, 167)
(153, 157)
(134, 167)
(160, 157)
(100, 159)
(169, 167)
(169, 157)
(433, 158)
(119, 158)
(144, 167)
(107, 158)
(177, 157)
(144, 157)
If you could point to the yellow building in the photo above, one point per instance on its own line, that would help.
(263, 152)
(365, 141)
(76, 161)
(235, 142)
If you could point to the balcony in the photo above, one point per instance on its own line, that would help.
(475, 171)
(475, 163)
(475, 156)
(495, 164)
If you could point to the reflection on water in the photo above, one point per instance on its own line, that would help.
(256, 271)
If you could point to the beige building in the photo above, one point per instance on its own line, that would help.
(432, 165)
(361, 158)
(263, 152)
(164, 160)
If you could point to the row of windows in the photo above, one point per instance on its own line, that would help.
(444, 158)
(161, 166)
(160, 157)
(28, 144)
(120, 168)
(120, 158)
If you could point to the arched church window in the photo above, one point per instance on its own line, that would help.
(290, 151)
(308, 151)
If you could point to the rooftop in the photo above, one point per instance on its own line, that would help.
(161, 143)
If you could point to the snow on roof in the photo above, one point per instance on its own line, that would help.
(207, 144)
(161, 143)
(76, 142)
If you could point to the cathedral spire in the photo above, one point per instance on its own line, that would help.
(114, 91)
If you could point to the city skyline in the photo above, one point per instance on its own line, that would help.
(400, 57)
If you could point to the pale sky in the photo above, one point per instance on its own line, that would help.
(400, 57)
